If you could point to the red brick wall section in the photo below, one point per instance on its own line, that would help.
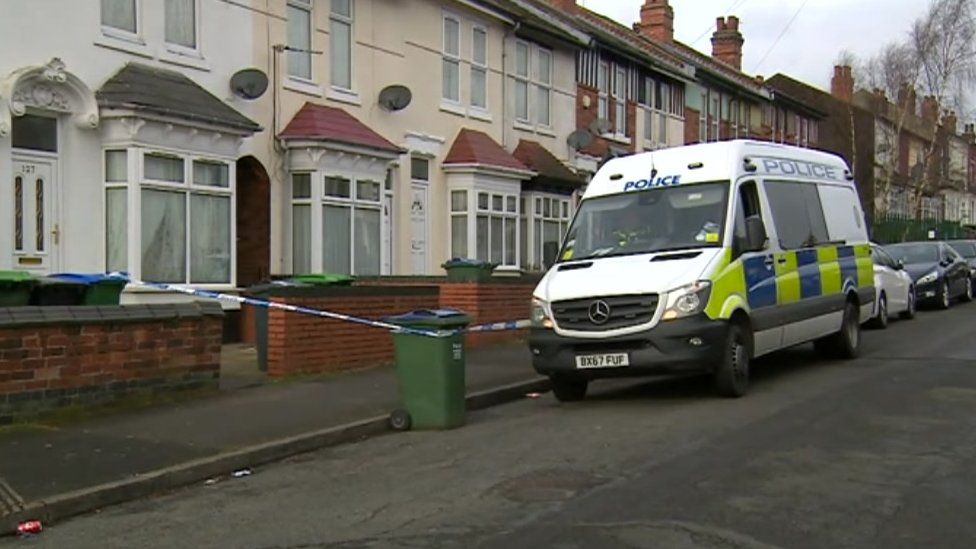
(54, 366)
(303, 344)
(487, 303)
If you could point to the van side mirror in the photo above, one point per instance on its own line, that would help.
(549, 252)
(756, 236)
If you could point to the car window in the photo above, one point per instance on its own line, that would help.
(915, 252)
(965, 248)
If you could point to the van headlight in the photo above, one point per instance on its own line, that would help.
(687, 300)
(928, 278)
(539, 314)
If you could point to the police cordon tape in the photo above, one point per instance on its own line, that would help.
(299, 309)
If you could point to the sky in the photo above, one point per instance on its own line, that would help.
(808, 47)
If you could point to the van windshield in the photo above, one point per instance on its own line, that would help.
(655, 220)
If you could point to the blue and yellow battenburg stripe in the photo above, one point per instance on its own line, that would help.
(787, 277)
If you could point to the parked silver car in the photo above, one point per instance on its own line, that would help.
(895, 290)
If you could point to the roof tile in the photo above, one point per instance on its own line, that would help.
(540, 160)
(319, 122)
(475, 147)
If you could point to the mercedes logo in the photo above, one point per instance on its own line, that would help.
(599, 312)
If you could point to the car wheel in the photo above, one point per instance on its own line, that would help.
(847, 342)
(880, 321)
(909, 312)
(945, 299)
(967, 295)
(568, 388)
(731, 374)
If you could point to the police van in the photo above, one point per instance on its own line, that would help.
(700, 259)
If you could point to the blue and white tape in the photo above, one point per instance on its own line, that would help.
(243, 300)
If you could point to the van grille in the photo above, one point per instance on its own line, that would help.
(624, 311)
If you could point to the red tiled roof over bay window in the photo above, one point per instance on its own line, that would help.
(549, 168)
(322, 123)
(478, 148)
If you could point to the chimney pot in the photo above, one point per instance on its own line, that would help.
(656, 21)
(727, 42)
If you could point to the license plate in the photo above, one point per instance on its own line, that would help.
(612, 360)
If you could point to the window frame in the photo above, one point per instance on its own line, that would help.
(603, 90)
(452, 58)
(479, 67)
(525, 80)
(561, 210)
(349, 20)
(541, 85)
(475, 211)
(307, 6)
(136, 182)
(181, 49)
(123, 34)
(619, 100)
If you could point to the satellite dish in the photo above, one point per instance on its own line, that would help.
(249, 83)
(579, 139)
(395, 98)
(600, 126)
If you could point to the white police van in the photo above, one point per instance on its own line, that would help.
(700, 258)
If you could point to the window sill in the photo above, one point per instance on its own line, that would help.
(453, 108)
(348, 97)
(302, 86)
(616, 138)
(545, 130)
(524, 126)
(127, 45)
(480, 114)
(185, 59)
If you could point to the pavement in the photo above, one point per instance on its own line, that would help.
(52, 471)
(875, 452)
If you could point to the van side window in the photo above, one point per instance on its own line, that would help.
(797, 213)
(845, 223)
(746, 205)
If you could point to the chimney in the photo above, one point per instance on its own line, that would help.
(842, 84)
(930, 110)
(969, 134)
(656, 21)
(906, 98)
(949, 121)
(727, 42)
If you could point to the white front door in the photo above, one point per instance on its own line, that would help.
(418, 229)
(35, 225)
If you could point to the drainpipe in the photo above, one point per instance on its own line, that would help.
(515, 28)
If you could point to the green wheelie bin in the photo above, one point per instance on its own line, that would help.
(100, 289)
(15, 288)
(430, 370)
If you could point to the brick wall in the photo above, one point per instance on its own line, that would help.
(52, 357)
(306, 344)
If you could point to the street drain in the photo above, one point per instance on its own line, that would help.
(547, 485)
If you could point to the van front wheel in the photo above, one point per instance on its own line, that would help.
(732, 370)
(568, 388)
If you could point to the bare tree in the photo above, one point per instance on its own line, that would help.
(938, 59)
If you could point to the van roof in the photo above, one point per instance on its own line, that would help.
(721, 161)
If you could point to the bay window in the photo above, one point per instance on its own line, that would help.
(168, 216)
(547, 219)
(340, 42)
(484, 225)
(344, 216)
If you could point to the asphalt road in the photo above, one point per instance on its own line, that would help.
(878, 452)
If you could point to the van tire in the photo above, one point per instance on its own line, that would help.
(568, 388)
(846, 343)
(731, 375)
